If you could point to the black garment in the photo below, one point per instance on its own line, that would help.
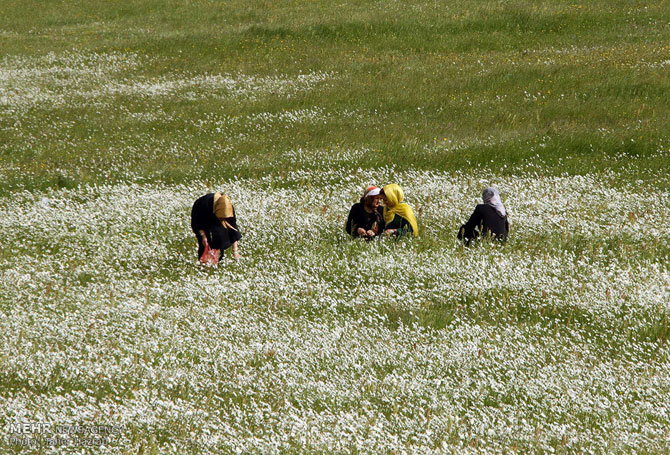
(360, 218)
(485, 221)
(203, 218)
(401, 226)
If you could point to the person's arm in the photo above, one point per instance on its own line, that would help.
(403, 229)
(352, 226)
(356, 231)
(349, 227)
(461, 232)
(203, 236)
(235, 250)
(468, 230)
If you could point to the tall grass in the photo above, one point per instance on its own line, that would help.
(442, 85)
(116, 115)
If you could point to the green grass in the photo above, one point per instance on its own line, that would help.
(309, 323)
(485, 76)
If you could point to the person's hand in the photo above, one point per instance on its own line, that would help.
(361, 232)
(390, 232)
(371, 233)
(203, 236)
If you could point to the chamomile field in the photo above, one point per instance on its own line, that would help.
(116, 115)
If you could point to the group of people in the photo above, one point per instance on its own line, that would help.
(380, 212)
(369, 219)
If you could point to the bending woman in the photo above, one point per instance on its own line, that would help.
(488, 219)
(366, 218)
(214, 223)
(398, 216)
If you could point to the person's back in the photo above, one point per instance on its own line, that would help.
(202, 213)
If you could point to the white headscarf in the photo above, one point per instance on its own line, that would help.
(492, 197)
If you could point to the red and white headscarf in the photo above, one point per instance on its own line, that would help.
(371, 191)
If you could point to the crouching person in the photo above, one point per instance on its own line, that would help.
(214, 224)
(488, 220)
(399, 217)
(366, 218)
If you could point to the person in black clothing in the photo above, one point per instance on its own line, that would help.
(213, 222)
(366, 218)
(489, 218)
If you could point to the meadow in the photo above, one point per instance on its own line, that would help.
(115, 116)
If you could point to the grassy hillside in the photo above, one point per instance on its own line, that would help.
(115, 116)
(435, 85)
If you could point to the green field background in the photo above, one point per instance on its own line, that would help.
(435, 85)
(116, 115)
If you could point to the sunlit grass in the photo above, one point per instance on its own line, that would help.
(115, 116)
